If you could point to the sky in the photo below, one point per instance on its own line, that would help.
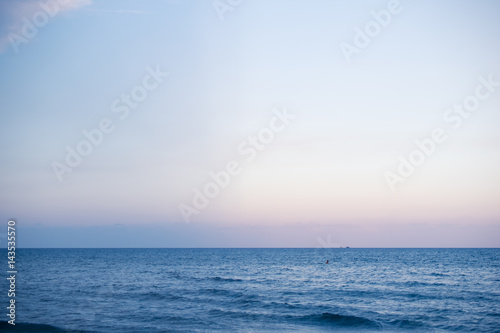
(250, 123)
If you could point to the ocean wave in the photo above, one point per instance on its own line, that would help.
(5, 327)
(221, 294)
(407, 324)
(341, 320)
(422, 284)
(326, 318)
(218, 278)
(155, 296)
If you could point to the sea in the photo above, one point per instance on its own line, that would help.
(254, 290)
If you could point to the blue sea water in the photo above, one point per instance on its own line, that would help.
(255, 290)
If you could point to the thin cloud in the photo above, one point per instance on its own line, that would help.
(117, 11)
(15, 12)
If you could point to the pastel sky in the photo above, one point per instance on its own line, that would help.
(231, 66)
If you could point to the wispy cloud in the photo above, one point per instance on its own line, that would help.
(117, 11)
(15, 13)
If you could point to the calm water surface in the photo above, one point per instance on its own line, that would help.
(256, 290)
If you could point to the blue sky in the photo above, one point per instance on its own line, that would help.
(323, 175)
